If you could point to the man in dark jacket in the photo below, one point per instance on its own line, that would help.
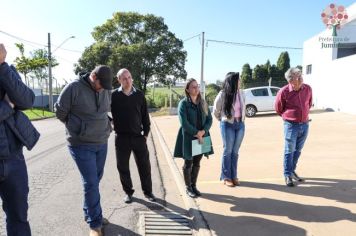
(131, 125)
(83, 107)
(16, 131)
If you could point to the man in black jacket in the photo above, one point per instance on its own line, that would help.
(131, 125)
(16, 131)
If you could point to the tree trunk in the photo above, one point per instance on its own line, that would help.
(26, 82)
(144, 85)
(334, 30)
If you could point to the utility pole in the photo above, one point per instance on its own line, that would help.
(50, 95)
(202, 83)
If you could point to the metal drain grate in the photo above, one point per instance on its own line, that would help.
(159, 223)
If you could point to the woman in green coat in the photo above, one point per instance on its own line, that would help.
(195, 119)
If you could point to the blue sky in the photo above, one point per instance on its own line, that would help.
(277, 22)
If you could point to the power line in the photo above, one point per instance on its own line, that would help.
(191, 37)
(252, 45)
(21, 39)
(38, 44)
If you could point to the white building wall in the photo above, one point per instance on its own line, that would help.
(333, 80)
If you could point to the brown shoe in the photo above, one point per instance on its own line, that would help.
(229, 183)
(236, 182)
(96, 232)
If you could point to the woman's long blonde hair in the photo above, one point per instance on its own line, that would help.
(201, 102)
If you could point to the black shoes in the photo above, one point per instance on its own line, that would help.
(150, 197)
(289, 181)
(196, 191)
(190, 192)
(128, 198)
(296, 177)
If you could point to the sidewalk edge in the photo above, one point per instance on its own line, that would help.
(199, 222)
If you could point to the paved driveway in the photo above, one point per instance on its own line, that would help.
(263, 205)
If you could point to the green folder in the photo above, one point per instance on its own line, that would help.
(198, 148)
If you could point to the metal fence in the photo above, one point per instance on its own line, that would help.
(43, 100)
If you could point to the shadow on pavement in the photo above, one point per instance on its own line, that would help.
(294, 211)
(333, 189)
(251, 226)
(116, 230)
(234, 226)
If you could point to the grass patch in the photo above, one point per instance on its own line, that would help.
(160, 112)
(160, 97)
(38, 113)
(165, 90)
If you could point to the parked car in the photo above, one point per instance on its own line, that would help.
(260, 99)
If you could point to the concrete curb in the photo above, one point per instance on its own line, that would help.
(199, 223)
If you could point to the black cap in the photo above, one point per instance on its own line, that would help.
(104, 75)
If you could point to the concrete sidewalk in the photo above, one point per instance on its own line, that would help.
(324, 205)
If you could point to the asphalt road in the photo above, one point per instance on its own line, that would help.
(56, 196)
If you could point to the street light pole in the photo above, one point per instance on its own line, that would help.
(50, 95)
(202, 83)
(50, 91)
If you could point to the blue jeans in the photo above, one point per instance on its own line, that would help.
(90, 160)
(295, 135)
(232, 136)
(14, 194)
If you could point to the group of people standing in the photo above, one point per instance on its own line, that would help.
(84, 106)
(293, 103)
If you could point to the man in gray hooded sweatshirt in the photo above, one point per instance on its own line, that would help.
(83, 107)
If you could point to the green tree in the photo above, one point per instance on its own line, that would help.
(300, 67)
(283, 63)
(212, 91)
(23, 64)
(39, 60)
(34, 66)
(260, 74)
(268, 67)
(274, 73)
(141, 43)
(246, 75)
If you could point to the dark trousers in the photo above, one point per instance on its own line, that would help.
(124, 145)
(192, 163)
(191, 171)
(14, 194)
